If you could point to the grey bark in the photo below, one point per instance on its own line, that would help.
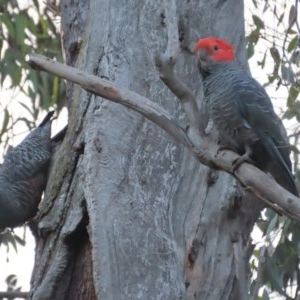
(128, 213)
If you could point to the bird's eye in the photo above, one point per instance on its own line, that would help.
(216, 47)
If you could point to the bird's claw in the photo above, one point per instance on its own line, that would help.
(241, 159)
(223, 147)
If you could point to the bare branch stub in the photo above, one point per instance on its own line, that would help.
(14, 294)
(165, 64)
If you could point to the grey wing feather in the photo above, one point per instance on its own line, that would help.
(30, 156)
(258, 112)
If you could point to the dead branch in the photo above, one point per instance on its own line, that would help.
(111, 91)
(14, 294)
(207, 152)
(165, 66)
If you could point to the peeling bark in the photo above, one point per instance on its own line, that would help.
(128, 212)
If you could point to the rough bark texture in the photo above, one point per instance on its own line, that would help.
(128, 213)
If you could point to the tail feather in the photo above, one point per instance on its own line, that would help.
(47, 118)
(60, 135)
(278, 167)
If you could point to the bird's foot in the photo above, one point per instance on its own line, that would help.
(238, 161)
(224, 147)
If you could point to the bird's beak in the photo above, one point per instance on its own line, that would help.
(202, 56)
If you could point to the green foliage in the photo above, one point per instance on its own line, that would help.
(253, 37)
(27, 30)
(9, 238)
(293, 44)
(275, 31)
(281, 269)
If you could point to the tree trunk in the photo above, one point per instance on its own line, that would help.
(128, 213)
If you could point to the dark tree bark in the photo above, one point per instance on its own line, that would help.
(128, 213)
